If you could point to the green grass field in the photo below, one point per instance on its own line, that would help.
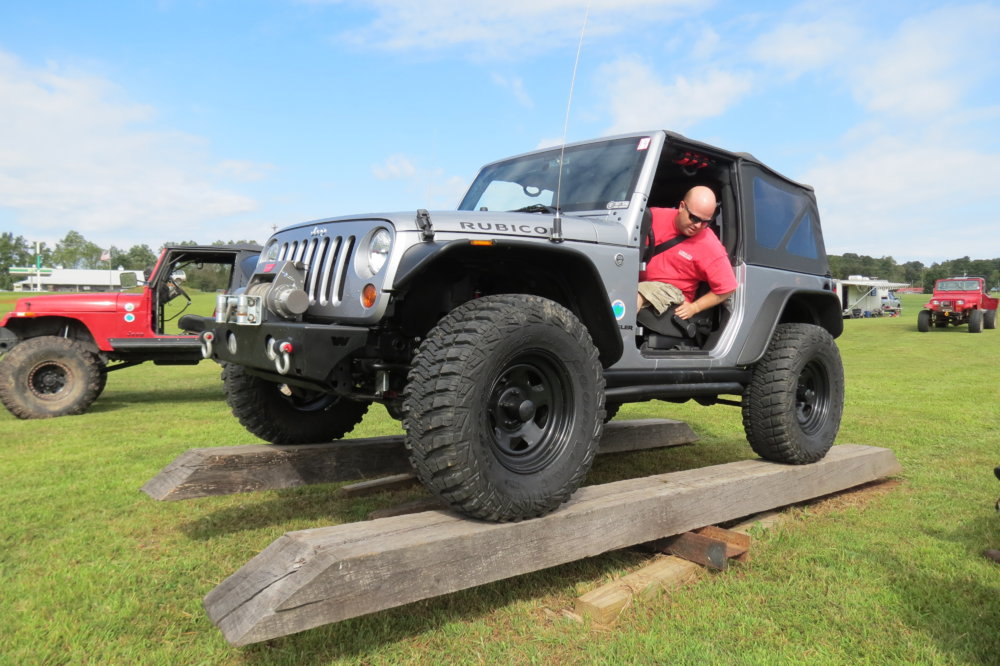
(94, 571)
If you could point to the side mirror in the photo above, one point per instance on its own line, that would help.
(127, 280)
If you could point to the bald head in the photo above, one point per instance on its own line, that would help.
(700, 200)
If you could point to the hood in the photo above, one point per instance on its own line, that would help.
(68, 303)
(598, 226)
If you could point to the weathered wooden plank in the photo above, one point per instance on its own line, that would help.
(698, 548)
(313, 577)
(604, 604)
(236, 469)
(225, 470)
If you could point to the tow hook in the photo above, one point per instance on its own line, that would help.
(281, 354)
(206, 344)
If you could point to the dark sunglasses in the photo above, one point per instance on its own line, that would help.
(699, 220)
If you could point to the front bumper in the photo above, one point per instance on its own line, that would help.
(290, 350)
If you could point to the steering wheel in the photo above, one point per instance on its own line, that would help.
(174, 290)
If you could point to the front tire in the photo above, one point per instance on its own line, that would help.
(793, 405)
(504, 407)
(49, 376)
(976, 321)
(280, 414)
(924, 321)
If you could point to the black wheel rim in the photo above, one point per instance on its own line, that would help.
(47, 380)
(812, 397)
(530, 412)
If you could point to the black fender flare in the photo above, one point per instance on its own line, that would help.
(784, 305)
(589, 299)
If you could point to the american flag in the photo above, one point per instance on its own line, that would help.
(105, 255)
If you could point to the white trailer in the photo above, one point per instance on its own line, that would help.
(862, 296)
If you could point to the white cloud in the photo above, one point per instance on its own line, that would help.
(516, 86)
(804, 46)
(508, 29)
(926, 68)
(77, 154)
(431, 188)
(640, 101)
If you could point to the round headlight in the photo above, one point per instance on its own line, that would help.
(270, 253)
(378, 250)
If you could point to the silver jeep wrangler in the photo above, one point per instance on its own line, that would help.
(503, 334)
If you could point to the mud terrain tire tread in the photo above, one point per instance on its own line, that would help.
(69, 363)
(451, 410)
(976, 321)
(793, 405)
(989, 319)
(263, 410)
(924, 321)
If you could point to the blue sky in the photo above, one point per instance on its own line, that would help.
(168, 120)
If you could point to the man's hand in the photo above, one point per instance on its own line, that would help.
(687, 310)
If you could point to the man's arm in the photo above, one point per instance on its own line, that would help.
(687, 310)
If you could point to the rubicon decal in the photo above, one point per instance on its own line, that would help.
(504, 228)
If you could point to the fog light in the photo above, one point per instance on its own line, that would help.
(368, 295)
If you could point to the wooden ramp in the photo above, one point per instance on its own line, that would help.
(225, 470)
(314, 577)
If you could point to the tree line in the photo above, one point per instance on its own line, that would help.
(75, 251)
(914, 273)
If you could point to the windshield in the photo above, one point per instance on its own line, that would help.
(595, 176)
(958, 285)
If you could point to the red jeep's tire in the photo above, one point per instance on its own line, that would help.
(976, 321)
(924, 321)
(793, 405)
(281, 414)
(49, 376)
(990, 319)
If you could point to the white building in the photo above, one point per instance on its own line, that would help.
(72, 279)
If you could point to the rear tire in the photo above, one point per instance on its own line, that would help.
(793, 405)
(504, 407)
(976, 321)
(280, 414)
(924, 321)
(49, 376)
(990, 319)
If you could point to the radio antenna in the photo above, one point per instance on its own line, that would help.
(556, 236)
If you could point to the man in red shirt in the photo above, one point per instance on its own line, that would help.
(700, 257)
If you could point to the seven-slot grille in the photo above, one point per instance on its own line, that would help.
(327, 261)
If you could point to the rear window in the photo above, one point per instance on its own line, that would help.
(786, 232)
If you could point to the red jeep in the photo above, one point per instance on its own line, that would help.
(58, 348)
(957, 301)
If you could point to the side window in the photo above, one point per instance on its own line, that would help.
(786, 232)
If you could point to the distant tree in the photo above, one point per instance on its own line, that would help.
(138, 258)
(14, 251)
(75, 251)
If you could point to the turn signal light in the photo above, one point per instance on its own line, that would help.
(368, 295)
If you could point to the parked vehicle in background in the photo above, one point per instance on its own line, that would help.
(58, 348)
(957, 301)
(862, 296)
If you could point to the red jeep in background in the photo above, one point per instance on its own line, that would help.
(957, 301)
(58, 348)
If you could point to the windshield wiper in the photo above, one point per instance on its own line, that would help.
(535, 208)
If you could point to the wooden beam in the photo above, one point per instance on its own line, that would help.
(606, 603)
(237, 469)
(314, 577)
